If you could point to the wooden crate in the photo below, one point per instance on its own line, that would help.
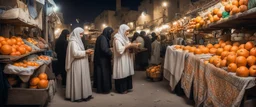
(26, 96)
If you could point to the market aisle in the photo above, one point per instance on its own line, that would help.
(145, 94)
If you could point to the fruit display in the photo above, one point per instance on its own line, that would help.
(33, 41)
(40, 82)
(154, 72)
(42, 57)
(215, 14)
(237, 57)
(26, 64)
(13, 46)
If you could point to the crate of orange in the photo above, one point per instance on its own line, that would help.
(154, 73)
(40, 89)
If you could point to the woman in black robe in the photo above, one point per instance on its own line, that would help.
(102, 62)
(60, 49)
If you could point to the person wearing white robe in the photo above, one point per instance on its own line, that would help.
(78, 86)
(155, 54)
(123, 60)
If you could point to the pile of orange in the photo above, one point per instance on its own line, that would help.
(13, 46)
(231, 7)
(239, 58)
(154, 71)
(40, 82)
(25, 64)
(42, 57)
(30, 40)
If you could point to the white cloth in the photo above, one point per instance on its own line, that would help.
(78, 74)
(123, 59)
(121, 34)
(174, 66)
(155, 56)
(75, 37)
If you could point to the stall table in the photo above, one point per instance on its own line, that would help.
(209, 85)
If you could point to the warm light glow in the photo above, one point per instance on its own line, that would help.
(157, 30)
(185, 18)
(57, 31)
(143, 14)
(86, 27)
(104, 25)
(138, 31)
(86, 32)
(164, 4)
(174, 23)
(165, 26)
(71, 24)
(55, 8)
(147, 31)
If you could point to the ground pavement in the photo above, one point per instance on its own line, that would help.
(145, 94)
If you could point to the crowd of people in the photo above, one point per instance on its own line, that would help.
(73, 65)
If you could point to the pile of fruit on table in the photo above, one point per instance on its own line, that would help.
(238, 58)
(26, 64)
(13, 46)
(42, 57)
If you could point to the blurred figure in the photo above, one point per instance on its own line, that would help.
(85, 40)
(156, 48)
(142, 58)
(102, 62)
(61, 49)
(135, 36)
(78, 86)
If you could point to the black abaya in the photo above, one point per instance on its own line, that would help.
(123, 85)
(60, 49)
(102, 62)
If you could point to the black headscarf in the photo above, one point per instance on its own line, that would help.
(107, 32)
(60, 49)
(85, 41)
(135, 35)
(154, 37)
(62, 42)
(142, 34)
(63, 36)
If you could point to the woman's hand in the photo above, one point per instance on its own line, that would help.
(134, 45)
(88, 51)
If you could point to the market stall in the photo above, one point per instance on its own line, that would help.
(220, 72)
(23, 54)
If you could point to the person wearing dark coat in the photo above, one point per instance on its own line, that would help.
(60, 49)
(85, 41)
(4, 86)
(135, 35)
(154, 37)
(102, 62)
(142, 58)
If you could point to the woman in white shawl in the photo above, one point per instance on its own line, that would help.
(78, 86)
(123, 60)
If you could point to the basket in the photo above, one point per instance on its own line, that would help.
(154, 75)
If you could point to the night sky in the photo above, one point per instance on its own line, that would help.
(87, 10)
